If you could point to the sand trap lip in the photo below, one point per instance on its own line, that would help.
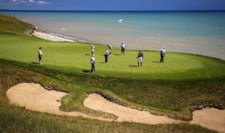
(34, 97)
(50, 37)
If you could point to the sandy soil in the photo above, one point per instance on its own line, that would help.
(35, 97)
(51, 37)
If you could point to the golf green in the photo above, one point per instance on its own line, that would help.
(75, 57)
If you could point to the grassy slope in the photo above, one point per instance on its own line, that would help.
(14, 119)
(12, 25)
(166, 96)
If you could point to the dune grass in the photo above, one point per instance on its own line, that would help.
(11, 25)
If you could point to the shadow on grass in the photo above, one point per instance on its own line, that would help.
(133, 65)
(86, 71)
(101, 62)
(87, 54)
(155, 61)
(35, 63)
(116, 54)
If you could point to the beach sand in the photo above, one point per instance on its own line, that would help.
(50, 37)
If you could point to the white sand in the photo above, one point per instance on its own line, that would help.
(50, 37)
(34, 97)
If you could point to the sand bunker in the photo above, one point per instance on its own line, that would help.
(34, 97)
(211, 118)
(97, 102)
(51, 37)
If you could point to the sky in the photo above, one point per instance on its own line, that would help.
(114, 5)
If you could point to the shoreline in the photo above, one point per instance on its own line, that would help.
(62, 38)
(55, 37)
(202, 45)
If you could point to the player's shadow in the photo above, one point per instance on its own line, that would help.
(86, 71)
(87, 54)
(35, 63)
(155, 61)
(133, 65)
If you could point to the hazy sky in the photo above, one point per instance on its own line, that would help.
(113, 4)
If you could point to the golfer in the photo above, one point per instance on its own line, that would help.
(110, 48)
(162, 55)
(40, 53)
(122, 46)
(92, 61)
(92, 49)
(140, 58)
(106, 55)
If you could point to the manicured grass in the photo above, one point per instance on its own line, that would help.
(74, 58)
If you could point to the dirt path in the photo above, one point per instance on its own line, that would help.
(34, 97)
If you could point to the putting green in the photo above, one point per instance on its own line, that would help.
(74, 58)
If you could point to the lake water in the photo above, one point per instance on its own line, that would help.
(190, 32)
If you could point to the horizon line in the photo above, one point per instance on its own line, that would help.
(110, 10)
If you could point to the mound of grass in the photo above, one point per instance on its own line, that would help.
(11, 25)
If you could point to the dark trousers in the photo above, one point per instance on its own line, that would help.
(39, 59)
(122, 50)
(106, 58)
(162, 58)
(92, 67)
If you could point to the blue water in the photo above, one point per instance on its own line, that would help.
(191, 32)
